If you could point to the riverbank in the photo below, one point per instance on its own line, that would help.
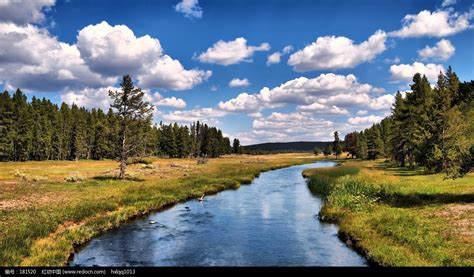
(399, 217)
(49, 208)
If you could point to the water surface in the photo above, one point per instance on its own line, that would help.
(272, 222)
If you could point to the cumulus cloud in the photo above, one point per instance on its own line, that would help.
(89, 97)
(30, 58)
(231, 52)
(236, 82)
(323, 109)
(115, 50)
(158, 100)
(23, 12)
(443, 50)
(190, 8)
(275, 58)
(439, 23)
(168, 73)
(244, 102)
(326, 93)
(364, 120)
(405, 72)
(383, 102)
(331, 52)
(206, 115)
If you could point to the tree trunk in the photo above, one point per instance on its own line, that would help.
(123, 159)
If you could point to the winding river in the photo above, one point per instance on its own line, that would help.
(272, 222)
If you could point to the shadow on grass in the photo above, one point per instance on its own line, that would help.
(401, 171)
(422, 199)
(116, 178)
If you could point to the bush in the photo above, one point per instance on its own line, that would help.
(147, 166)
(74, 179)
(138, 161)
(202, 161)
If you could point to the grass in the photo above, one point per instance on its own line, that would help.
(69, 202)
(399, 217)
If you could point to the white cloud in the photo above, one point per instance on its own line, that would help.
(170, 74)
(23, 12)
(331, 52)
(289, 127)
(383, 102)
(287, 49)
(30, 58)
(323, 109)
(326, 90)
(115, 50)
(362, 112)
(190, 8)
(447, 3)
(443, 50)
(158, 100)
(231, 52)
(439, 23)
(364, 120)
(89, 97)
(274, 58)
(242, 103)
(405, 72)
(206, 115)
(236, 82)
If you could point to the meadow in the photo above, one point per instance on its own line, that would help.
(396, 216)
(49, 208)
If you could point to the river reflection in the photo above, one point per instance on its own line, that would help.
(271, 222)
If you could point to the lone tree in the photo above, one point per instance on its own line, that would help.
(133, 112)
(336, 145)
(236, 146)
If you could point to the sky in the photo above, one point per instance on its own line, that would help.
(260, 70)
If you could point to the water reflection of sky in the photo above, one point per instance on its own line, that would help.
(270, 222)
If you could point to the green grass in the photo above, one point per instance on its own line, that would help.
(41, 222)
(397, 217)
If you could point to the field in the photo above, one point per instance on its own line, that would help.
(399, 217)
(47, 208)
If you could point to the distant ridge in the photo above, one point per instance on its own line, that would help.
(295, 146)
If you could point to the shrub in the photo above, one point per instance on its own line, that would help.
(202, 161)
(139, 161)
(147, 166)
(74, 179)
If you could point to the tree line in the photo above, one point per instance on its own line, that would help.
(432, 127)
(40, 130)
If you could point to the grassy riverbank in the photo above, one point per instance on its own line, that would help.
(43, 216)
(399, 217)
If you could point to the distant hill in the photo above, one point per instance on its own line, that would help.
(295, 146)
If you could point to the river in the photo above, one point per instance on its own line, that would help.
(271, 222)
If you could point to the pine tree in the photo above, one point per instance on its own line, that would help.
(336, 145)
(236, 146)
(131, 108)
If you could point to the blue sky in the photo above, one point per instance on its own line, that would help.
(342, 63)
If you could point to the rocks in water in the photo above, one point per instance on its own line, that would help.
(152, 222)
